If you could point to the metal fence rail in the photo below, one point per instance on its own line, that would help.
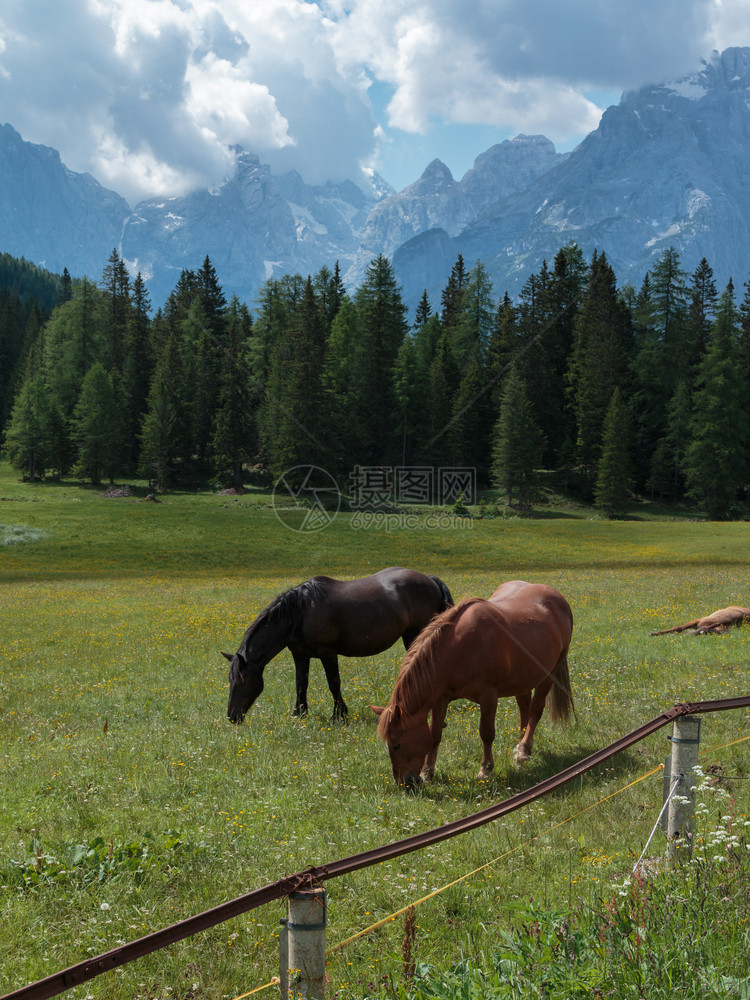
(59, 982)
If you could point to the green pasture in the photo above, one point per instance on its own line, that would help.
(129, 801)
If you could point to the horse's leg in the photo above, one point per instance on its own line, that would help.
(487, 713)
(437, 725)
(302, 674)
(331, 666)
(409, 636)
(523, 750)
(524, 701)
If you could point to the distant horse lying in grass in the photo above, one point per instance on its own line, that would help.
(514, 643)
(325, 618)
(720, 621)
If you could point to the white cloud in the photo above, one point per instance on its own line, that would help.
(148, 95)
(230, 108)
(730, 24)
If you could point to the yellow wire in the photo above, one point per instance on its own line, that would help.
(274, 982)
(488, 864)
(436, 892)
(721, 746)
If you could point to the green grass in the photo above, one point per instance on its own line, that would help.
(135, 803)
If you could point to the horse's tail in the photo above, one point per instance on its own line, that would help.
(447, 597)
(560, 699)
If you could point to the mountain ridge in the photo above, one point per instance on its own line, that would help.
(665, 167)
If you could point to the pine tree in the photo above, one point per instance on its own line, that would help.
(443, 379)
(329, 293)
(423, 311)
(410, 392)
(97, 428)
(383, 327)
(137, 368)
(667, 474)
(66, 288)
(471, 425)
(451, 298)
(160, 439)
(518, 442)
(561, 295)
(716, 457)
(73, 343)
(612, 474)
(599, 360)
(502, 348)
(234, 441)
(701, 310)
(26, 434)
(295, 390)
(115, 285)
(474, 315)
(338, 387)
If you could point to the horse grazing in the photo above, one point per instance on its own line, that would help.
(325, 618)
(714, 624)
(514, 643)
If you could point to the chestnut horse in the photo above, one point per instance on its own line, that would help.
(325, 618)
(720, 621)
(513, 644)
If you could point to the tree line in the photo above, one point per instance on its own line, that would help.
(615, 390)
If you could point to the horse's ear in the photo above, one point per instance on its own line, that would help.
(227, 655)
(396, 713)
(377, 709)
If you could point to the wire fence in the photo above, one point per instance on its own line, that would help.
(66, 979)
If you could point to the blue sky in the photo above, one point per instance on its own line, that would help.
(152, 96)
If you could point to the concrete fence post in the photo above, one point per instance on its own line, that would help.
(302, 950)
(686, 735)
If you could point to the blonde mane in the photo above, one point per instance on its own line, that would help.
(419, 666)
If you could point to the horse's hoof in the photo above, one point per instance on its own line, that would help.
(484, 775)
(300, 713)
(520, 757)
(427, 776)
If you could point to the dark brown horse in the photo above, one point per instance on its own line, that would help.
(328, 618)
(513, 644)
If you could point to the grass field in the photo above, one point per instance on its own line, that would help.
(129, 801)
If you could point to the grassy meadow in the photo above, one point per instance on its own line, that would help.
(129, 801)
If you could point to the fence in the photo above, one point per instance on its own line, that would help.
(312, 877)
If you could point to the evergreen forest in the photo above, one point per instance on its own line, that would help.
(606, 392)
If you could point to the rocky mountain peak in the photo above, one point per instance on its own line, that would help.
(437, 172)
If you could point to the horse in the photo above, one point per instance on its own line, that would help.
(508, 646)
(327, 618)
(713, 624)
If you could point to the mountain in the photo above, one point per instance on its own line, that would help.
(253, 227)
(51, 215)
(666, 167)
(437, 201)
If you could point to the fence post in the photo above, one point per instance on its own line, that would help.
(302, 969)
(686, 735)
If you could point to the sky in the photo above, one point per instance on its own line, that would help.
(153, 96)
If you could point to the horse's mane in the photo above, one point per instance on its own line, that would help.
(287, 606)
(418, 667)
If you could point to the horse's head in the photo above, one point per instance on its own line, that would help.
(408, 740)
(245, 684)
